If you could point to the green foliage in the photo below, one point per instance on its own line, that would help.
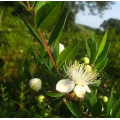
(97, 109)
(109, 105)
(67, 54)
(51, 94)
(116, 109)
(58, 28)
(73, 108)
(27, 55)
(48, 13)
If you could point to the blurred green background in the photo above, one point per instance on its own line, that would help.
(15, 47)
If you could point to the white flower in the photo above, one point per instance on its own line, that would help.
(79, 79)
(35, 84)
(61, 47)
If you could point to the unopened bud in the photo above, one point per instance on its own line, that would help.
(46, 114)
(86, 60)
(35, 84)
(105, 99)
(88, 68)
(41, 98)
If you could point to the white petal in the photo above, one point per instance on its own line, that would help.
(79, 91)
(65, 85)
(61, 47)
(35, 84)
(87, 89)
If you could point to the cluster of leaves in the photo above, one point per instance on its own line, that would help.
(45, 68)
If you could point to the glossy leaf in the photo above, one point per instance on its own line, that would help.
(73, 108)
(103, 55)
(116, 109)
(58, 28)
(102, 44)
(96, 109)
(51, 94)
(110, 104)
(31, 30)
(93, 52)
(88, 49)
(39, 4)
(100, 66)
(48, 13)
(67, 54)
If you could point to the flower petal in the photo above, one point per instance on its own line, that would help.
(65, 85)
(87, 89)
(35, 84)
(80, 91)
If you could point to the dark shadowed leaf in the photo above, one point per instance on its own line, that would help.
(116, 109)
(73, 108)
(96, 109)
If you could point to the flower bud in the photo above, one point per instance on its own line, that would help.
(88, 68)
(86, 60)
(105, 99)
(41, 98)
(61, 47)
(35, 84)
(46, 114)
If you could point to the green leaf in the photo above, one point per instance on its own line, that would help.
(93, 98)
(109, 105)
(88, 49)
(39, 4)
(44, 62)
(48, 14)
(93, 52)
(58, 28)
(116, 109)
(56, 50)
(67, 54)
(31, 30)
(51, 94)
(103, 55)
(96, 109)
(92, 39)
(100, 66)
(102, 44)
(73, 108)
(25, 70)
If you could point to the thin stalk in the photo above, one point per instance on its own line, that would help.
(28, 5)
(47, 48)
